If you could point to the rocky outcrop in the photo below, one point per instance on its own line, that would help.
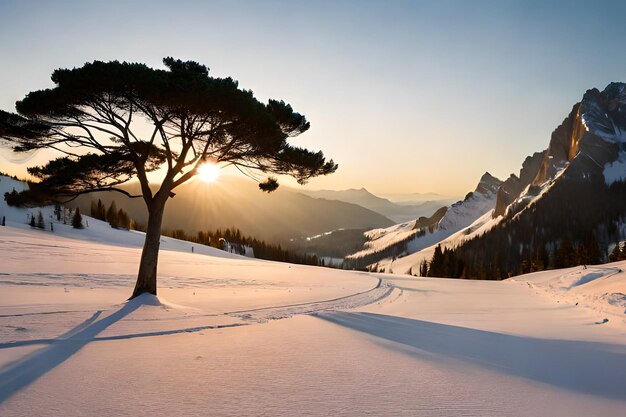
(590, 134)
(488, 184)
(511, 189)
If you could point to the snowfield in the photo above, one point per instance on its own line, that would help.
(234, 336)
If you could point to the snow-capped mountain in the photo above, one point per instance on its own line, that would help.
(589, 144)
(412, 236)
(573, 190)
(568, 205)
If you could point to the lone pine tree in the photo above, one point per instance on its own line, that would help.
(115, 121)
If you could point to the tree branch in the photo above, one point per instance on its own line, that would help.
(94, 190)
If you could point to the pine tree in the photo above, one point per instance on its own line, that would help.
(618, 253)
(40, 222)
(437, 263)
(111, 215)
(32, 221)
(123, 220)
(100, 211)
(57, 211)
(77, 220)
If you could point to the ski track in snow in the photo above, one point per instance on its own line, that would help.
(245, 317)
(16, 375)
(381, 291)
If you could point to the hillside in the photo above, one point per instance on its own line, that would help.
(410, 237)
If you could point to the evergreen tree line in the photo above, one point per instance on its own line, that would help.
(4, 174)
(234, 237)
(573, 224)
(34, 196)
(39, 222)
(118, 219)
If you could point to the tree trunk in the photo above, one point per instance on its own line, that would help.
(147, 276)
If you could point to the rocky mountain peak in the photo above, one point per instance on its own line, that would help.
(488, 184)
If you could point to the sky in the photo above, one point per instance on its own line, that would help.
(415, 96)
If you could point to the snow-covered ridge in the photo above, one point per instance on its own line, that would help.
(457, 217)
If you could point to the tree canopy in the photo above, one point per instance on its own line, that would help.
(114, 121)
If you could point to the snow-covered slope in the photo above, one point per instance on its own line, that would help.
(235, 336)
(410, 263)
(419, 234)
(94, 231)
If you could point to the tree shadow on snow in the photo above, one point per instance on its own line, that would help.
(22, 373)
(585, 367)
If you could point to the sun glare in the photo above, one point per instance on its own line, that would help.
(209, 172)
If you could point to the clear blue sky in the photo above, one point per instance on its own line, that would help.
(405, 96)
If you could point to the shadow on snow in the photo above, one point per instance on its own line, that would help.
(22, 373)
(585, 367)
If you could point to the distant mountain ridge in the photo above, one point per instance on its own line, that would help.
(394, 211)
(237, 202)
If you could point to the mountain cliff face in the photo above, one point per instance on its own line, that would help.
(568, 204)
(589, 139)
(513, 186)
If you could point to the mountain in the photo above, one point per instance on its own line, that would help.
(567, 207)
(415, 198)
(412, 236)
(238, 202)
(397, 212)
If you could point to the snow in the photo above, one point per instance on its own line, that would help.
(94, 231)
(234, 336)
(615, 171)
(458, 217)
(600, 288)
(379, 239)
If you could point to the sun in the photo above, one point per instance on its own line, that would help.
(209, 172)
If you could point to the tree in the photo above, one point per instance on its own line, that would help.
(111, 215)
(57, 212)
(95, 113)
(100, 211)
(93, 209)
(77, 220)
(123, 221)
(41, 224)
(436, 267)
